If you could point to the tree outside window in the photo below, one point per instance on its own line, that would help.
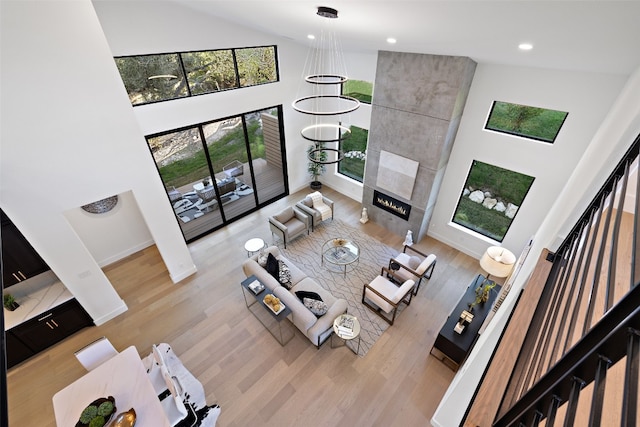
(490, 200)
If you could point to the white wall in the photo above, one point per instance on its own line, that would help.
(69, 138)
(170, 27)
(612, 139)
(107, 237)
(587, 98)
(134, 28)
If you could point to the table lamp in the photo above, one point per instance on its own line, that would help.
(497, 261)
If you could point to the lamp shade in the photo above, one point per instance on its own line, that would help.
(497, 261)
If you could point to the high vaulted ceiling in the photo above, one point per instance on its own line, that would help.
(598, 36)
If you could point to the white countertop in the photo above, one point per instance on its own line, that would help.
(35, 297)
(125, 378)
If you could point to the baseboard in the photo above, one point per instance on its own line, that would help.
(118, 311)
(130, 251)
(175, 278)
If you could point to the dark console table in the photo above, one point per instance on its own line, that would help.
(455, 347)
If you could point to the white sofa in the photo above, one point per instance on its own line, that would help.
(317, 329)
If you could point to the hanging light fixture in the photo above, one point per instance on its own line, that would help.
(325, 70)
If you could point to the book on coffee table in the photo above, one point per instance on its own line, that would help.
(256, 287)
(345, 326)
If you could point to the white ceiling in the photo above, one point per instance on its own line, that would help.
(599, 36)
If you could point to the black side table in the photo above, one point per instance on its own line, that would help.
(265, 315)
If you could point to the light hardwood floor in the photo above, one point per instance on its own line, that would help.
(242, 367)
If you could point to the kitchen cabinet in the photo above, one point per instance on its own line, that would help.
(19, 260)
(48, 328)
(17, 351)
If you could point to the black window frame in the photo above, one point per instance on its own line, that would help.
(184, 71)
(524, 135)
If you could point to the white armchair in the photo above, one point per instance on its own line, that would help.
(306, 205)
(413, 264)
(384, 295)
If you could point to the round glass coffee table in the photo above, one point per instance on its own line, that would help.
(340, 252)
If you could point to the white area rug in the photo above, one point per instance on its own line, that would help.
(305, 252)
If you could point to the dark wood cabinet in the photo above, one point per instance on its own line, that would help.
(19, 260)
(47, 329)
(455, 347)
(17, 351)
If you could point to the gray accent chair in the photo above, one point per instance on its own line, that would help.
(289, 224)
(306, 206)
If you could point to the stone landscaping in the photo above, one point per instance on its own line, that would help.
(490, 201)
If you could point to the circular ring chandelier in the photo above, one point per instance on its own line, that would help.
(351, 104)
(343, 132)
(312, 153)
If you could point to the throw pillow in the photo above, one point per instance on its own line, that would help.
(308, 202)
(414, 262)
(272, 266)
(306, 294)
(284, 275)
(318, 308)
(262, 258)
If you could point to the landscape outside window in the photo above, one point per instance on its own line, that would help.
(241, 156)
(358, 89)
(491, 199)
(210, 71)
(256, 65)
(529, 122)
(154, 78)
(354, 148)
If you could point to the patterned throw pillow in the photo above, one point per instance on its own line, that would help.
(318, 308)
(284, 274)
(262, 258)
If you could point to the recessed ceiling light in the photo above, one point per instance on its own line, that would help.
(525, 46)
(391, 40)
(311, 37)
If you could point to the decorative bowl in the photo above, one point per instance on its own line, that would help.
(97, 403)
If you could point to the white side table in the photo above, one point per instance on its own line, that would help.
(346, 337)
(253, 245)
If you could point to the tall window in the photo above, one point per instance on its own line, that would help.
(490, 200)
(355, 153)
(154, 78)
(529, 122)
(218, 171)
(358, 89)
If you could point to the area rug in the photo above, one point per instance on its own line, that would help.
(305, 252)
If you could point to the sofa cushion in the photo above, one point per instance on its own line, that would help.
(307, 201)
(284, 275)
(306, 294)
(318, 308)
(285, 215)
(310, 285)
(272, 266)
(300, 315)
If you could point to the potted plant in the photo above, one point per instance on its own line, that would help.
(316, 169)
(10, 302)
